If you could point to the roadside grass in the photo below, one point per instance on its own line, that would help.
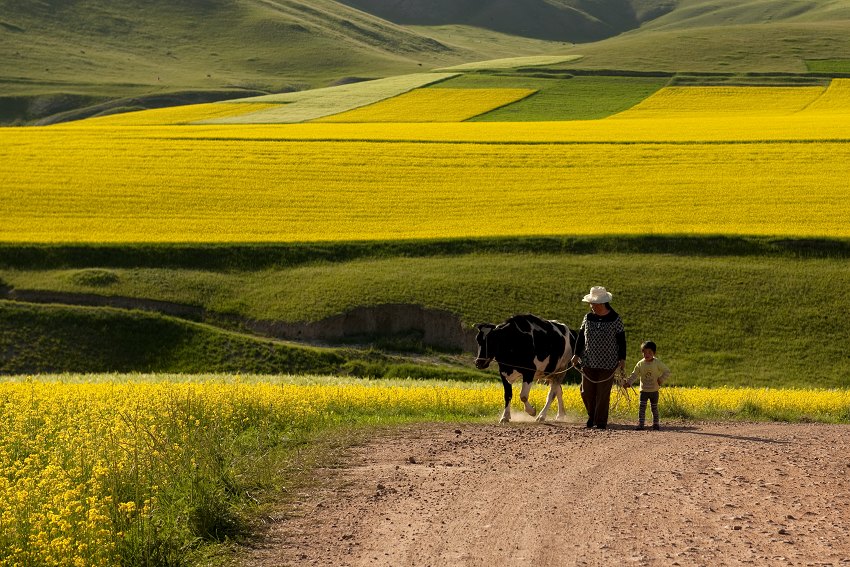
(718, 320)
(155, 471)
(575, 98)
(177, 470)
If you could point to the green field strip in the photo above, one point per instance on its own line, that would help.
(313, 104)
(576, 98)
(828, 65)
(257, 256)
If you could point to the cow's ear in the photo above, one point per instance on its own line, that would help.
(484, 328)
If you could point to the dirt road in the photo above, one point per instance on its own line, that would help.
(559, 494)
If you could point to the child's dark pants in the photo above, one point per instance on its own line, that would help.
(652, 397)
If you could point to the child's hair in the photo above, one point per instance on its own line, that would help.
(648, 344)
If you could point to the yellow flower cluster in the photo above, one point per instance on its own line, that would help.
(433, 105)
(829, 405)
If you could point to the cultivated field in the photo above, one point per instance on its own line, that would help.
(433, 105)
(349, 182)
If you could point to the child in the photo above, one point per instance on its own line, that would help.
(652, 373)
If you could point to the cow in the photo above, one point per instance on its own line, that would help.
(528, 348)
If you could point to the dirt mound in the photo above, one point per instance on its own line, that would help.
(436, 327)
(691, 494)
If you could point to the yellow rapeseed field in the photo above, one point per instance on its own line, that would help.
(225, 185)
(670, 102)
(92, 467)
(835, 100)
(433, 105)
(179, 114)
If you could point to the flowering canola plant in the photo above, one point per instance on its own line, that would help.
(90, 472)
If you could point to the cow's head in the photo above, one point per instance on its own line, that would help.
(486, 348)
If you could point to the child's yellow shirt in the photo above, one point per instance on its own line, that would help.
(649, 372)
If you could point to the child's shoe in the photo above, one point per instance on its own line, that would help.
(656, 426)
(640, 427)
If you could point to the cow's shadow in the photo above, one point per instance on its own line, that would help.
(697, 430)
(675, 428)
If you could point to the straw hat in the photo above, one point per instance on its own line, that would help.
(598, 294)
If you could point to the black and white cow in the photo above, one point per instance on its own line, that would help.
(527, 347)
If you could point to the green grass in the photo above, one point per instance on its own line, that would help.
(828, 65)
(240, 257)
(727, 320)
(577, 98)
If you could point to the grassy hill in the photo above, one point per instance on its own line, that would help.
(731, 35)
(574, 21)
(59, 55)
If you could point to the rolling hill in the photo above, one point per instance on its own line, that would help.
(67, 54)
(733, 36)
(575, 21)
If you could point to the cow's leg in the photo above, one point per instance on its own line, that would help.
(549, 399)
(523, 395)
(559, 393)
(509, 393)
